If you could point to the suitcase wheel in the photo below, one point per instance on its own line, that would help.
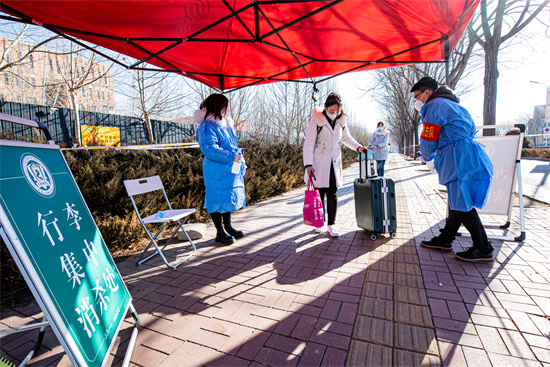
(393, 235)
(373, 237)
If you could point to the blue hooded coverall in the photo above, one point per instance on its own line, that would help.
(461, 162)
(224, 190)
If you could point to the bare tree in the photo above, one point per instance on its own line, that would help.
(16, 34)
(152, 95)
(78, 69)
(393, 86)
(245, 104)
(356, 130)
(496, 17)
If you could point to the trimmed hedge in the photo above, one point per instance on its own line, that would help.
(536, 153)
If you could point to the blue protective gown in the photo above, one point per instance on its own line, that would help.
(224, 190)
(461, 162)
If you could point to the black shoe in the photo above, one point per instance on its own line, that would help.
(233, 232)
(474, 255)
(435, 243)
(224, 238)
(229, 228)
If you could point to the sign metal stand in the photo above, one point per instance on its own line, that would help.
(60, 252)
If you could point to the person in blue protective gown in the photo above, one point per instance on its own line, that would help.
(461, 162)
(219, 144)
(379, 144)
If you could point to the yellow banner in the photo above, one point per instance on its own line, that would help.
(100, 136)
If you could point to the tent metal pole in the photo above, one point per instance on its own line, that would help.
(447, 76)
(298, 20)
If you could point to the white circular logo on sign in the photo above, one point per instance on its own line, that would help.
(38, 175)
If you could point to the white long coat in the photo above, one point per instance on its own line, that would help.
(320, 149)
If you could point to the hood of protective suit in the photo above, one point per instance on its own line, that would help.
(199, 117)
(320, 119)
(444, 92)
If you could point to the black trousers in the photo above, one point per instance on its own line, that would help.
(472, 223)
(331, 193)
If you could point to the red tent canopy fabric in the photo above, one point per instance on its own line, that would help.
(229, 44)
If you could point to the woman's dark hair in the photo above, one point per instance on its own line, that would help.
(380, 123)
(425, 83)
(332, 99)
(215, 105)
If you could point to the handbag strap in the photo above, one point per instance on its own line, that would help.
(310, 185)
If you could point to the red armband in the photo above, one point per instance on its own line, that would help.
(430, 132)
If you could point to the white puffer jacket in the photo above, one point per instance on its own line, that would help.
(323, 148)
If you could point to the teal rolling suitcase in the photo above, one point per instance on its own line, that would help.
(375, 209)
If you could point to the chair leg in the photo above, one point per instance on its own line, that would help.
(152, 242)
(159, 250)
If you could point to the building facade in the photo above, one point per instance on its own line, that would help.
(50, 78)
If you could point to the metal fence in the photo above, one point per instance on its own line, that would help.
(60, 122)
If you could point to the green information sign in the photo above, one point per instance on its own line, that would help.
(57, 245)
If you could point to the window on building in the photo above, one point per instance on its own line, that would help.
(104, 109)
(58, 68)
(91, 93)
(83, 93)
(105, 79)
(31, 61)
(76, 70)
(83, 72)
(103, 95)
(31, 100)
(98, 94)
(51, 65)
(93, 108)
(33, 83)
(6, 79)
(93, 74)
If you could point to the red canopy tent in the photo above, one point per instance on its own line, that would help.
(229, 44)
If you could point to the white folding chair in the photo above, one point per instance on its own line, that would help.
(149, 184)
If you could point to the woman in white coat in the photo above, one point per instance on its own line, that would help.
(379, 143)
(322, 156)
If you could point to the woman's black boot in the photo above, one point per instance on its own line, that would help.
(227, 225)
(221, 235)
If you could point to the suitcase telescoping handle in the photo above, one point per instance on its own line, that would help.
(361, 179)
(368, 162)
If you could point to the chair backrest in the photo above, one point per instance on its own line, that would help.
(143, 185)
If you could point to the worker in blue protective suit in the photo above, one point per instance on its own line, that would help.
(461, 162)
(224, 188)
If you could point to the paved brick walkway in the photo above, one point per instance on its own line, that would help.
(285, 296)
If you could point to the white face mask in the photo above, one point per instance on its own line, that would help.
(380, 128)
(331, 116)
(418, 105)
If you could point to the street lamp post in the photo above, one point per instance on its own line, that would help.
(546, 130)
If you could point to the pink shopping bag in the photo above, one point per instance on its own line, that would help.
(313, 207)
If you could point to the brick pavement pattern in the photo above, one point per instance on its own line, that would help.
(285, 296)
